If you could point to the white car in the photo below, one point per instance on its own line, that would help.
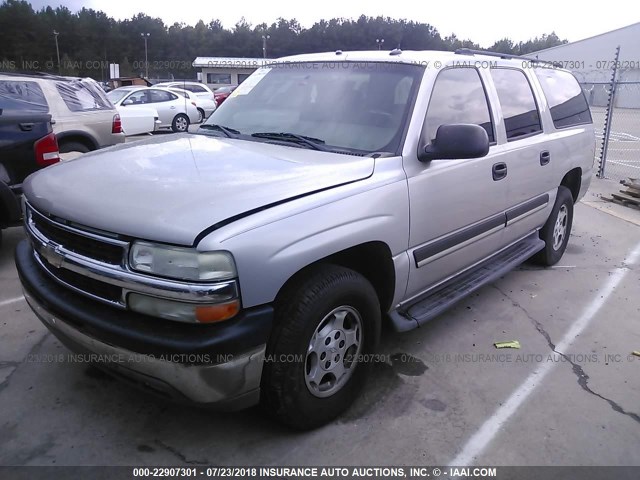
(205, 98)
(138, 121)
(205, 106)
(174, 112)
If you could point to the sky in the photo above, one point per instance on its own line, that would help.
(484, 22)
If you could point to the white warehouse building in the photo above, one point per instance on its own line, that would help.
(592, 61)
(219, 72)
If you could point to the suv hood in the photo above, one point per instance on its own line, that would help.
(171, 188)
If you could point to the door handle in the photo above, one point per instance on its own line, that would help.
(545, 157)
(499, 171)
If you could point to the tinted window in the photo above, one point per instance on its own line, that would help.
(219, 78)
(18, 95)
(181, 93)
(565, 98)
(519, 108)
(193, 88)
(160, 96)
(458, 97)
(83, 95)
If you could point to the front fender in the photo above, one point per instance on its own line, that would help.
(268, 255)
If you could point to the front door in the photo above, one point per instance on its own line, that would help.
(456, 206)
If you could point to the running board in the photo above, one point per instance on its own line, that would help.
(446, 295)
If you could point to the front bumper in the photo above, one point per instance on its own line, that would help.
(217, 365)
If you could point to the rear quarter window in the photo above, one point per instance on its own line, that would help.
(566, 99)
(22, 96)
(83, 96)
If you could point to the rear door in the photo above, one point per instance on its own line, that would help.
(525, 150)
(167, 104)
(457, 206)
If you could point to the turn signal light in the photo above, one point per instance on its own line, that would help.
(217, 313)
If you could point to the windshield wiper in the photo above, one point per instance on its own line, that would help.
(229, 132)
(312, 142)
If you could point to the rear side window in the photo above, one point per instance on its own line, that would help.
(82, 96)
(18, 95)
(458, 97)
(158, 96)
(518, 104)
(565, 98)
(194, 88)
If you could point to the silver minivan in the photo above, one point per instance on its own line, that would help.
(256, 260)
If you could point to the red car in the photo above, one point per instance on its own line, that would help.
(221, 94)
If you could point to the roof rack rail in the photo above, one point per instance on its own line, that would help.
(35, 74)
(506, 56)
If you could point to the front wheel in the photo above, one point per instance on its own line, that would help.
(325, 326)
(180, 123)
(557, 229)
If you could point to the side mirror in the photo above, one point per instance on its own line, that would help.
(128, 101)
(456, 141)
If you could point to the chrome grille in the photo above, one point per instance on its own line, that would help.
(88, 286)
(94, 263)
(53, 240)
(89, 247)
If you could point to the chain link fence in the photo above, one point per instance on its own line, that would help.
(617, 136)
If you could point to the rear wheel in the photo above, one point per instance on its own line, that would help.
(180, 123)
(324, 325)
(200, 115)
(71, 150)
(557, 229)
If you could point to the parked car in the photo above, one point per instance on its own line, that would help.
(222, 93)
(83, 118)
(174, 112)
(205, 106)
(199, 89)
(256, 260)
(27, 143)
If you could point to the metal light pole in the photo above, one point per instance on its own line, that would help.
(145, 36)
(264, 45)
(379, 41)
(55, 35)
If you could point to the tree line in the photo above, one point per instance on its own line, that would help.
(89, 40)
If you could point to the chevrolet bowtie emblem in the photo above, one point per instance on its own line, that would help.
(53, 255)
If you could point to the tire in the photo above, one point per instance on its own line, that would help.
(69, 147)
(180, 123)
(200, 115)
(290, 390)
(556, 230)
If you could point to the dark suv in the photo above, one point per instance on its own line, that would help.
(27, 143)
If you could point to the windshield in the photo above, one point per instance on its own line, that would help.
(347, 105)
(117, 95)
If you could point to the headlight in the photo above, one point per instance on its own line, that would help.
(182, 263)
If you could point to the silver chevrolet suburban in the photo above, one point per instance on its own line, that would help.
(255, 260)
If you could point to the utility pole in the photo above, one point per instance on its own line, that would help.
(146, 36)
(380, 42)
(264, 45)
(55, 35)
